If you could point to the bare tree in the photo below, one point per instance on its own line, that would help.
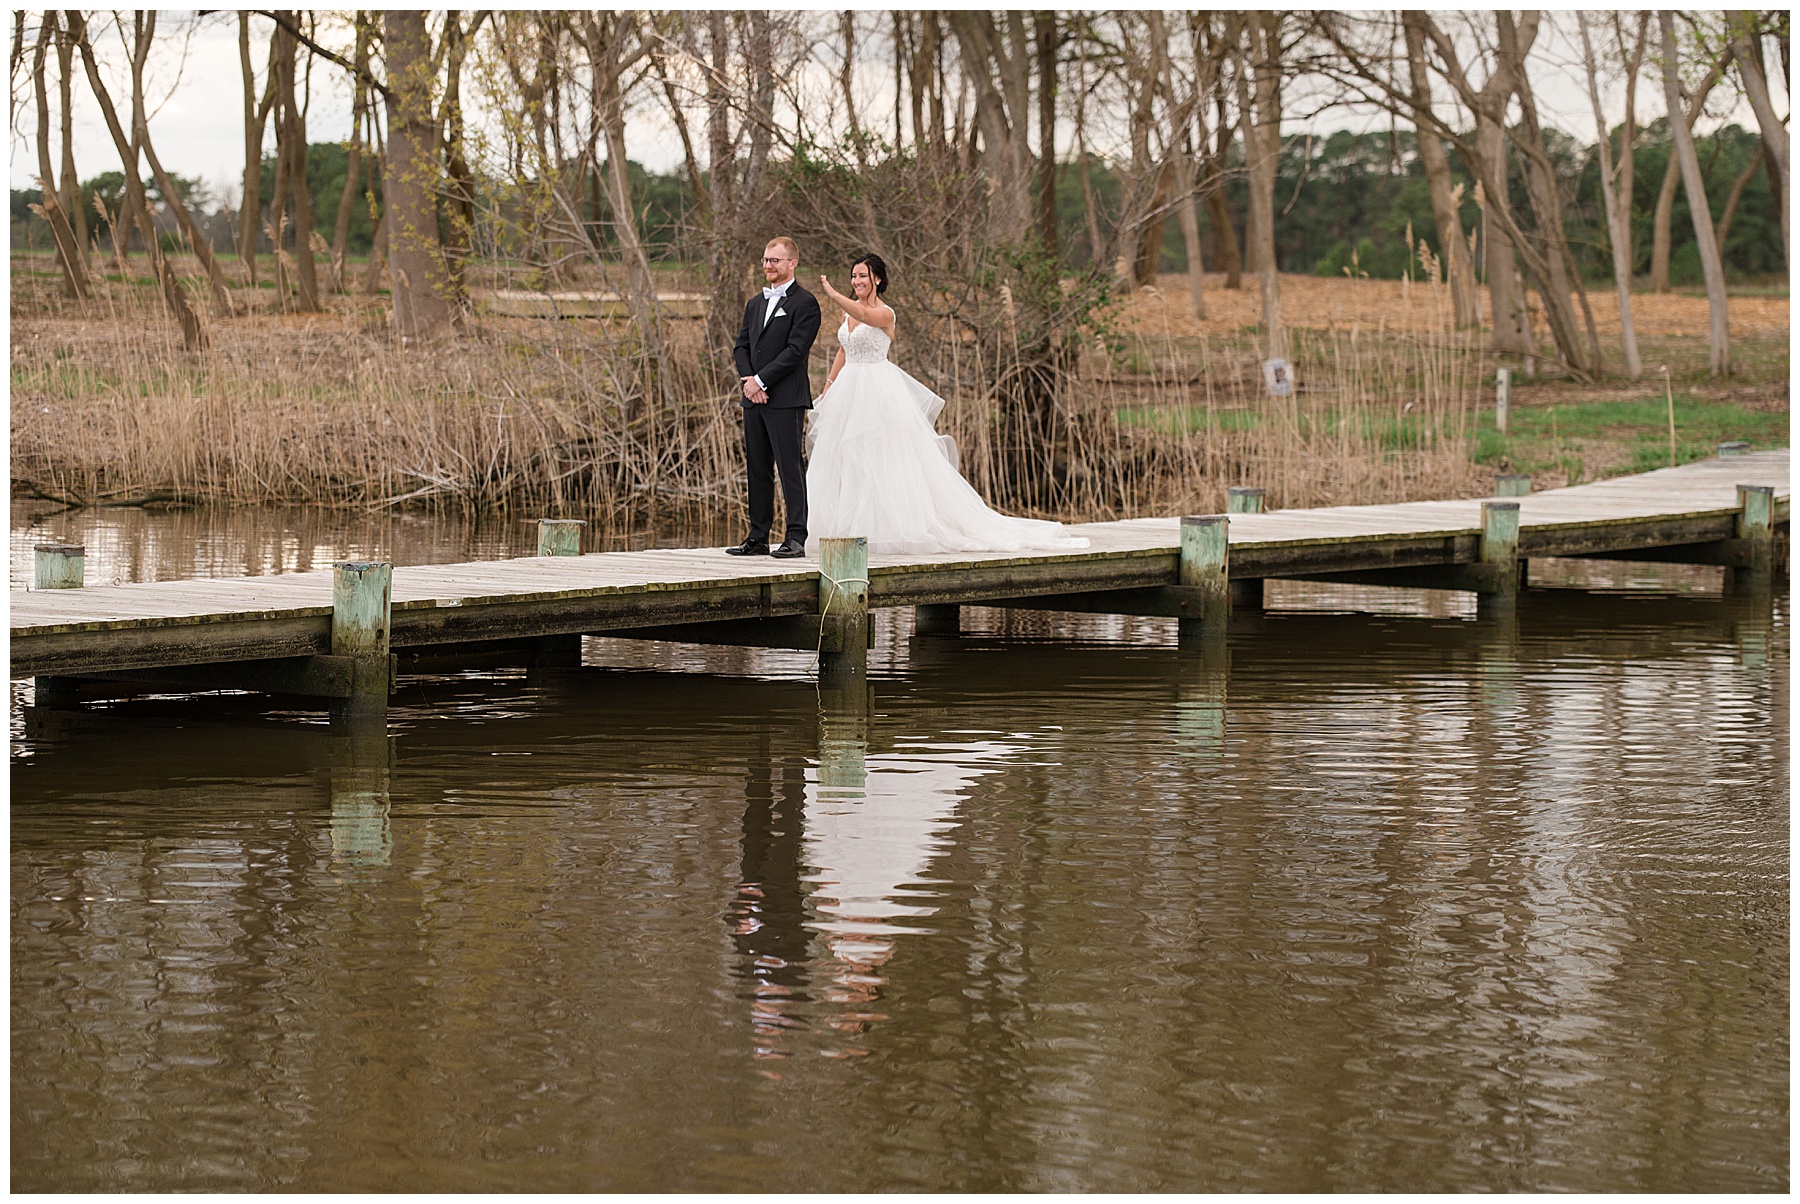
(68, 251)
(1259, 120)
(256, 117)
(359, 104)
(1661, 240)
(136, 206)
(1746, 50)
(1719, 358)
(421, 286)
(71, 183)
(1459, 269)
(1615, 179)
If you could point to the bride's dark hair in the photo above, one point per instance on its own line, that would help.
(877, 269)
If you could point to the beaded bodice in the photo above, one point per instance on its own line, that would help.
(865, 345)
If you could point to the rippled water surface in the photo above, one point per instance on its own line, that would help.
(1363, 902)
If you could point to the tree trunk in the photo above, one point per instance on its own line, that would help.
(340, 235)
(420, 286)
(255, 115)
(68, 251)
(1618, 211)
(1737, 192)
(1661, 237)
(193, 334)
(371, 285)
(1044, 28)
(146, 32)
(1746, 48)
(1218, 209)
(1719, 357)
(460, 202)
(1459, 270)
(290, 133)
(1190, 228)
(726, 270)
(608, 58)
(1262, 140)
(71, 183)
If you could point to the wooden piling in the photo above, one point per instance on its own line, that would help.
(1502, 399)
(943, 618)
(1246, 592)
(844, 606)
(1500, 551)
(1512, 484)
(1735, 447)
(1756, 527)
(361, 610)
(1244, 499)
(58, 566)
(1203, 571)
(559, 536)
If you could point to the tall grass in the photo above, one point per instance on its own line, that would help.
(544, 416)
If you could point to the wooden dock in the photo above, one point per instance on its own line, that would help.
(344, 633)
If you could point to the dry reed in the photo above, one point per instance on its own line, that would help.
(519, 414)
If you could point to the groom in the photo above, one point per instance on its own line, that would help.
(780, 325)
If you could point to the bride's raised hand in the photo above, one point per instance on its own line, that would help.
(825, 283)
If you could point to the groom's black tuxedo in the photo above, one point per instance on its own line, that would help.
(777, 352)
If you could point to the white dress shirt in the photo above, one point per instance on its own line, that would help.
(773, 294)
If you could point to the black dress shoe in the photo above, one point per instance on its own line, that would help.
(750, 547)
(789, 550)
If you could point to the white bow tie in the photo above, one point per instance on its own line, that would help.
(769, 294)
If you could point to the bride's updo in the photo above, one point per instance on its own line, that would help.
(877, 269)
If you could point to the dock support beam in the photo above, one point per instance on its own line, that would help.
(844, 606)
(1246, 592)
(1756, 527)
(1500, 550)
(944, 618)
(1204, 569)
(361, 609)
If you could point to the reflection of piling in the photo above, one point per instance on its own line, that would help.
(1203, 575)
(844, 738)
(360, 835)
(1202, 684)
(1500, 552)
(844, 607)
(361, 611)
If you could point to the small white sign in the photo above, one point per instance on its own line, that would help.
(1278, 378)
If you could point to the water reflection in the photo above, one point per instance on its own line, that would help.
(1374, 903)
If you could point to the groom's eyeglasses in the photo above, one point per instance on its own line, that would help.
(772, 261)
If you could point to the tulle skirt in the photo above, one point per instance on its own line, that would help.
(878, 468)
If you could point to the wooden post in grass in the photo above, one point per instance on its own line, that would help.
(1512, 484)
(1500, 549)
(58, 566)
(1502, 399)
(1756, 527)
(361, 612)
(1204, 568)
(1246, 499)
(844, 607)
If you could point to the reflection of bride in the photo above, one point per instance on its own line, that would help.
(878, 467)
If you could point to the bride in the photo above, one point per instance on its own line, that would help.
(878, 467)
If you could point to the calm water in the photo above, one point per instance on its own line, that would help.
(1367, 902)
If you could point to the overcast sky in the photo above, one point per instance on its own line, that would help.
(196, 88)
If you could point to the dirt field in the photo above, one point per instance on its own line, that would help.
(1324, 301)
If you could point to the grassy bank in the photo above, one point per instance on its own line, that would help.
(544, 416)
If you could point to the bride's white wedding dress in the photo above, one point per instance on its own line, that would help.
(879, 468)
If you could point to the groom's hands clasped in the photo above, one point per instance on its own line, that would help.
(755, 392)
